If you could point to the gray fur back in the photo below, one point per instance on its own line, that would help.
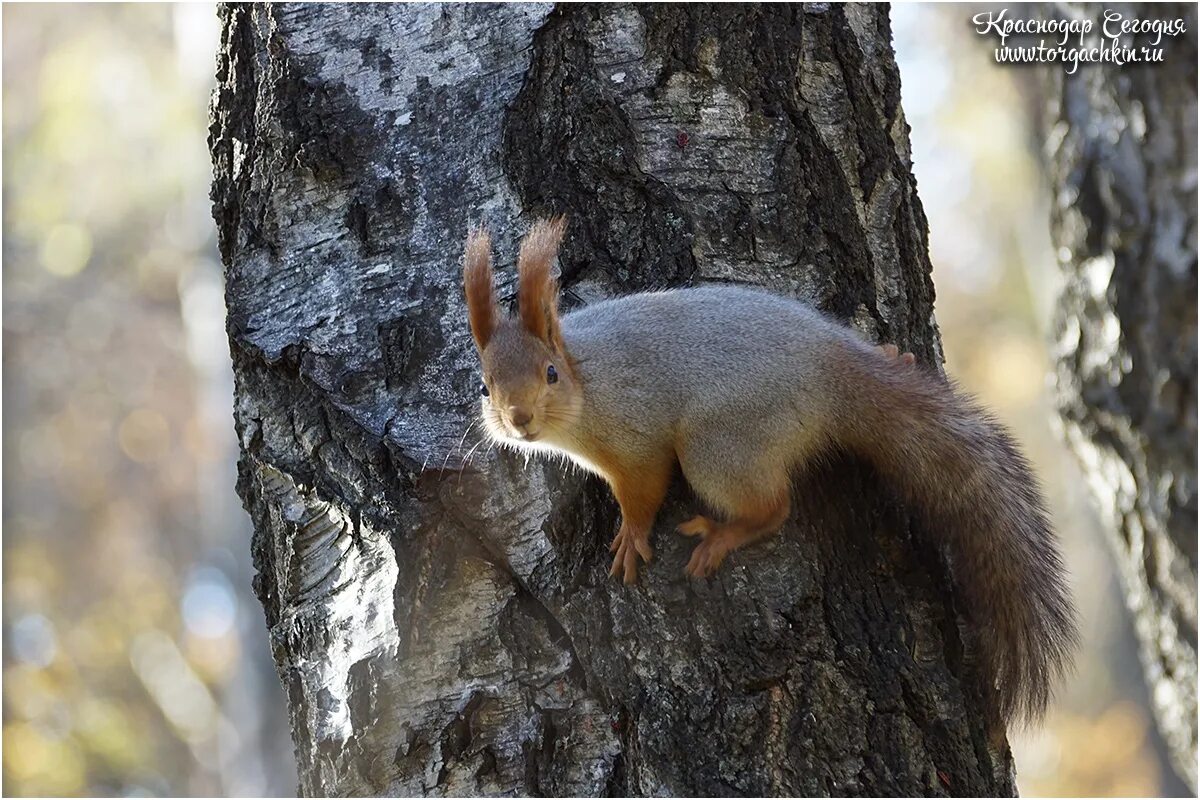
(649, 361)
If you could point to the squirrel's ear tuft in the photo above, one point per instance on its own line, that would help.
(480, 287)
(538, 294)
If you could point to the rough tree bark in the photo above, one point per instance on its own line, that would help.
(1122, 145)
(443, 622)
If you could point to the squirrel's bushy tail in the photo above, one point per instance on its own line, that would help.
(951, 459)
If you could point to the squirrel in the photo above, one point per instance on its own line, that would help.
(741, 388)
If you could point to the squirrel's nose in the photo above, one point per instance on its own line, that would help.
(520, 416)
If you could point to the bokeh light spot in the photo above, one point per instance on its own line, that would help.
(144, 435)
(209, 604)
(33, 640)
(66, 249)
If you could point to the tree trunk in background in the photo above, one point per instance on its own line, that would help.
(1123, 151)
(444, 623)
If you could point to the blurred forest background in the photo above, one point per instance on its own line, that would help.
(135, 659)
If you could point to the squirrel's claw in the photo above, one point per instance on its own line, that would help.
(624, 565)
(628, 545)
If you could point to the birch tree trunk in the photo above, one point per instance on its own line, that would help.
(440, 613)
(1123, 154)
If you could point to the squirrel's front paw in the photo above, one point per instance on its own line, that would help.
(628, 545)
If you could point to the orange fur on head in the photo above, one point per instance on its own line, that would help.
(537, 297)
(480, 287)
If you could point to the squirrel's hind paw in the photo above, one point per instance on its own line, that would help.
(708, 555)
(711, 551)
(696, 526)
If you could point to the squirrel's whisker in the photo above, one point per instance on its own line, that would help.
(458, 447)
(467, 460)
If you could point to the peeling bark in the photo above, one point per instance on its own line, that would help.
(441, 614)
(1122, 145)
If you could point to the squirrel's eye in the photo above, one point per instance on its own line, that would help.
(483, 389)
(551, 374)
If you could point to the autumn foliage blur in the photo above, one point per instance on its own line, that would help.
(130, 633)
(135, 658)
(977, 153)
